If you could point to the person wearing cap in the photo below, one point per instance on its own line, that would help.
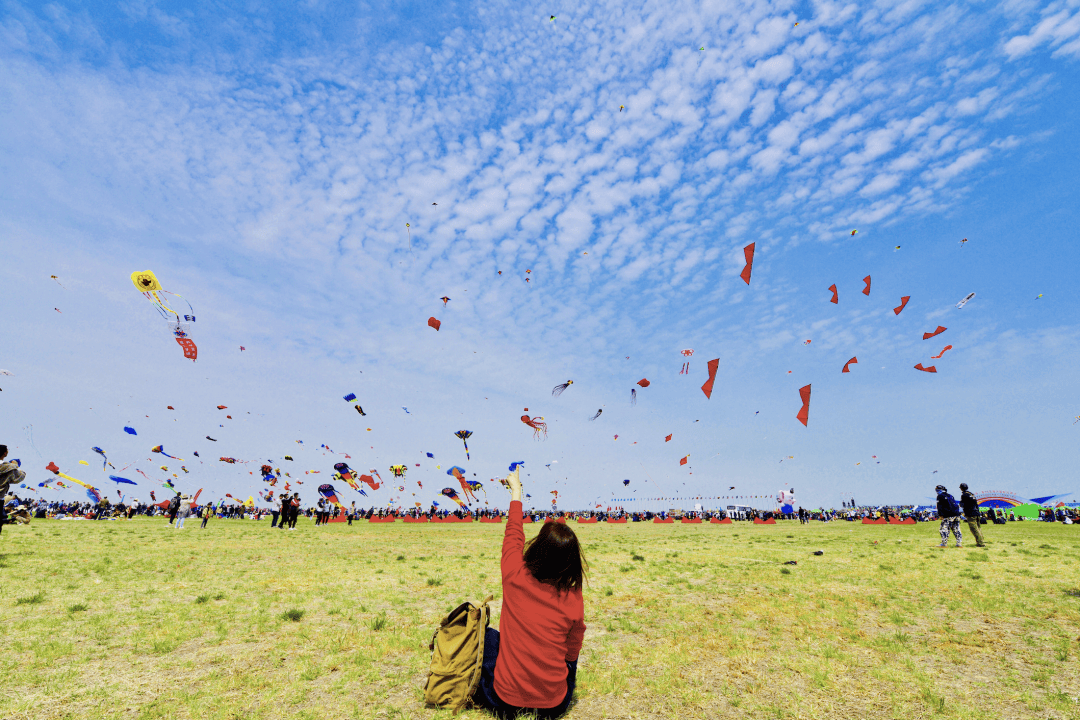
(949, 513)
(970, 507)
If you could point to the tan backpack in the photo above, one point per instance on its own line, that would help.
(457, 656)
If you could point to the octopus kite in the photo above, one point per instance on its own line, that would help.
(537, 424)
(558, 389)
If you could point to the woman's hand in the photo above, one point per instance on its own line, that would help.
(513, 481)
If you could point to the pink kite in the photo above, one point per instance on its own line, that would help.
(866, 290)
(938, 356)
(804, 413)
(940, 329)
(748, 253)
(926, 369)
(852, 361)
(903, 304)
(835, 299)
(432, 322)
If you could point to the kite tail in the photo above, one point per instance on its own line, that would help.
(633, 396)
(466, 450)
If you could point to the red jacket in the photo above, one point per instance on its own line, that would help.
(540, 629)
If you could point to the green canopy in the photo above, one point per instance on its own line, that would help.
(1029, 510)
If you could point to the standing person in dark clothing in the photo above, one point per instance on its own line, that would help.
(949, 512)
(285, 510)
(970, 507)
(294, 510)
(10, 474)
(174, 507)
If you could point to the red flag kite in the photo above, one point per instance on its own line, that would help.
(644, 383)
(938, 356)
(926, 369)
(852, 361)
(191, 352)
(903, 304)
(432, 322)
(866, 290)
(667, 439)
(748, 253)
(835, 299)
(684, 460)
(940, 329)
(707, 387)
(804, 413)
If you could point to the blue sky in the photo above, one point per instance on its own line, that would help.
(264, 164)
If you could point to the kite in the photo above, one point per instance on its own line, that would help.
(903, 304)
(464, 435)
(537, 424)
(83, 462)
(443, 298)
(7, 372)
(210, 439)
(854, 232)
(938, 356)
(804, 413)
(895, 248)
(964, 302)
(116, 479)
(621, 108)
(633, 396)
(230, 460)
(130, 431)
(433, 322)
(222, 407)
(147, 283)
(644, 383)
(360, 410)
(748, 253)
(866, 290)
(962, 242)
(514, 465)
(684, 460)
(688, 352)
(852, 361)
(328, 492)
(57, 281)
(930, 369)
(466, 485)
(105, 462)
(241, 348)
(406, 410)
(835, 299)
(170, 407)
(708, 386)
(399, 470)
(552, 18)
(598, 414)
(940, 329)
(449, 492)
(668, 438)
(161, 450)
(351, 397)
(558, 389)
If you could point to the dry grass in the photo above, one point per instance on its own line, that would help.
(135, 620)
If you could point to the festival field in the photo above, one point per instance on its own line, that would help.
(135, 620)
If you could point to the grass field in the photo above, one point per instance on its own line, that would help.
(135, 620)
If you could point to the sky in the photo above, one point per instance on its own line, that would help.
(582, 189)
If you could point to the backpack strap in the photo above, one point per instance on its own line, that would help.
(478, 669)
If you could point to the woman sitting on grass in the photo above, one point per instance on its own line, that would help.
(530, 663)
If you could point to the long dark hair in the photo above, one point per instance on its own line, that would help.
(554, 557)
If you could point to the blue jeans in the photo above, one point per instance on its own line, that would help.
(485, 691)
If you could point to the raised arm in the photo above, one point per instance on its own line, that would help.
(514, 537)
